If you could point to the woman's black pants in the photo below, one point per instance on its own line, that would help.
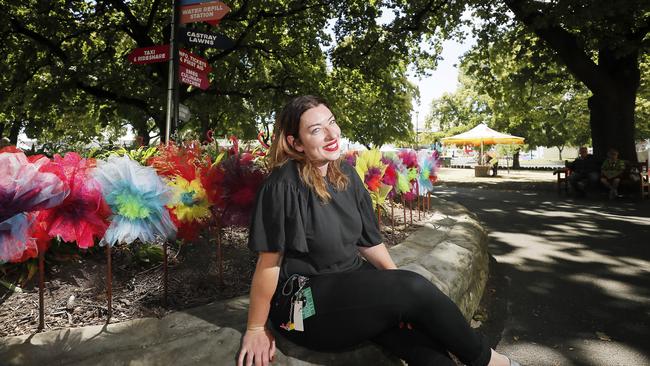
(371, 304)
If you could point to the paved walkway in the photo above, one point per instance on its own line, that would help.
(571, 282)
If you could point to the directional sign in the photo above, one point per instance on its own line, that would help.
(147, 55)
(206, 39)
(188, 2)
(184, 113)
(193, 61)
(203, 12)
(194, 78)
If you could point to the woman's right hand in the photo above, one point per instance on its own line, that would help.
(257, 346)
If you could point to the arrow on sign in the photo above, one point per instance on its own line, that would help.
(193, 77)
(193, 61)
(203, 12)
(148, 55)
(206, 39)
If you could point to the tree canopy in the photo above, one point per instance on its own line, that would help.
(67, 75)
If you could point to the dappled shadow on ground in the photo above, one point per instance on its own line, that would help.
(573, 277)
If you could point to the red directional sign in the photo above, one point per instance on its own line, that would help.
(193, 61)
(147, 55)
(194, 78)
(204, 12)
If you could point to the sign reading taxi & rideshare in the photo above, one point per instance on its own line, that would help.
(203, 12)
(148, 55)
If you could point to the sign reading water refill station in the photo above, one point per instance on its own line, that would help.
(203, 12)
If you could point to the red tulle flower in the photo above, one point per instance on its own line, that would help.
(83, 215)
(184, 160)
(409, 158)
(373, 179)
(232, 186)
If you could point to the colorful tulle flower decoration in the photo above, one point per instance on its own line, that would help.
(137, 197)
(232, 185)
(371, 170)
(38, 241)
(392, 163)
(24, 188)
(190, 208)
(183, 167)
(428, 173)
(410, 160)
(83, 215)
(182, 160)
(351, 157)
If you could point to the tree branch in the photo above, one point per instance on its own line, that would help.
(135, 30)
(565, 44)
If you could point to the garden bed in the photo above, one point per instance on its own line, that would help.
(75, 282)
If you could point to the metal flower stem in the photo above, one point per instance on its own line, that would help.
(219, 253)
(165, 273)
(109, 283)
(379, 215)
(41, 288)
(392, 217)
(404, 208)
(417, 203)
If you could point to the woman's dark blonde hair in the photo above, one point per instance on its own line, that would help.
(288, 124)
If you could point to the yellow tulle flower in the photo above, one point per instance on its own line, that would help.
(190, 201)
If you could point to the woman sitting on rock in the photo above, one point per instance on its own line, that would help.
(312, 218)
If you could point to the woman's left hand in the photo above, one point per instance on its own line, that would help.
(258, 348)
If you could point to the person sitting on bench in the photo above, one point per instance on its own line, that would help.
(584, 172)
(612, 172)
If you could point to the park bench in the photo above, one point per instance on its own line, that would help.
(562, 178)
(635, 178)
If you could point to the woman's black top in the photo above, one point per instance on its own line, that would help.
(314, 237)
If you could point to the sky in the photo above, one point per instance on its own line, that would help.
(444, 79)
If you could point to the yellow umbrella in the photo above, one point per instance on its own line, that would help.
(480, 135)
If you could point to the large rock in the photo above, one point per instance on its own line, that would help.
(450, 250)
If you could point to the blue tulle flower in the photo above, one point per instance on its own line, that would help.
(137, 197)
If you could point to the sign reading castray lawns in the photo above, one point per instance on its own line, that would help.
(203, 12)
(206, 39)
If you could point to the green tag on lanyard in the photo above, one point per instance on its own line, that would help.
(308, 309)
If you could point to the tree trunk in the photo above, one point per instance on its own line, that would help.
(614, 80)
(515, 160)
(142, 132)
(612, 110)
(559, 149)
(14, 132)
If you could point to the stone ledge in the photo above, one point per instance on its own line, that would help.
(450, 250)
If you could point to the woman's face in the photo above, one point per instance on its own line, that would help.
(319, 134)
